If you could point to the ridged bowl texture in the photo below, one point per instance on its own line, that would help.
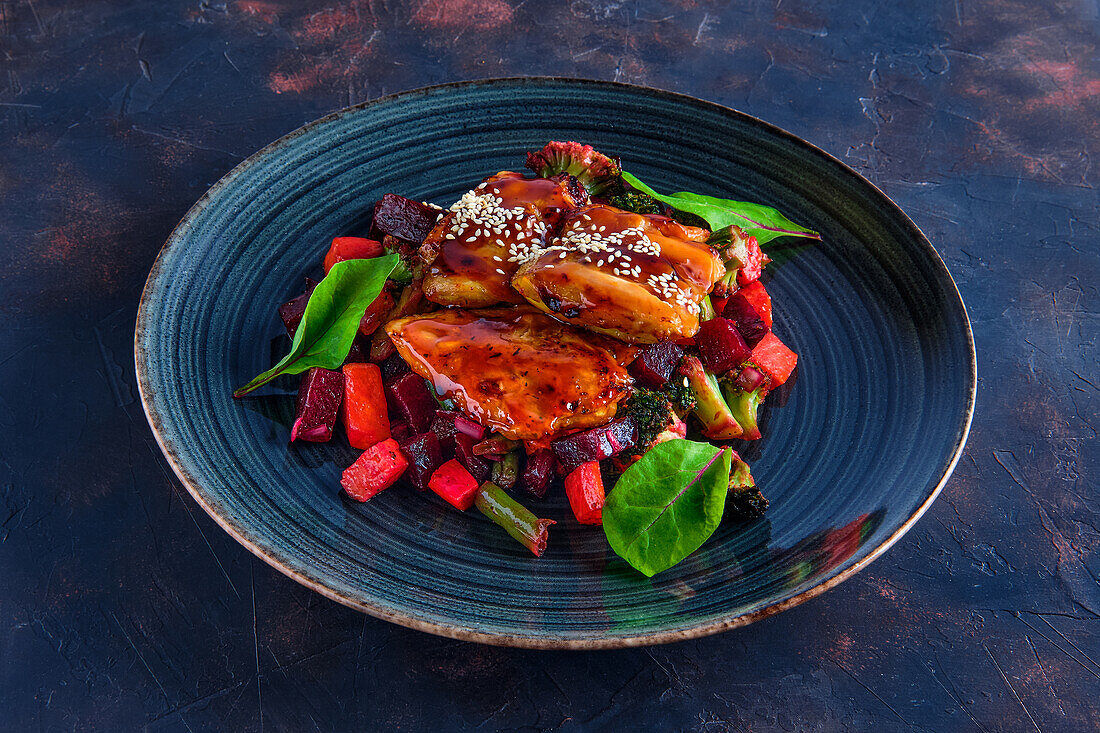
(865, 440)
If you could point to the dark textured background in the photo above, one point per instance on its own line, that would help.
(123, 606)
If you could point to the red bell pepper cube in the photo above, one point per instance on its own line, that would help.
(378, 468)
(364, 411)
(772, 357)
(454, 484)
(759, 299)
(351, 248)
(584, 487)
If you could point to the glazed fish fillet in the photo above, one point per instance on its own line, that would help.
(639, 278)
(516, 370)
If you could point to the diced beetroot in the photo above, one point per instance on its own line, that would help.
(292, 311)
(319, 396)
(773, 358)
(394, 367)
(351, 248)
(408, 397)
(378, 468)
(478, 466)
(759, 299)
(454, 483)
(444, 428)
(467, 426)
(749, 323)
(538, 471)
(403, 218)
(400, 430)
(584, 489)
(357, 354)
(364, 410)
(655, 364)
(749, 379)
(721, 346)
(754, 263)
(596, 444)
(424, 455)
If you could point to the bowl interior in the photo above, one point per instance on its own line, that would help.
(865, 439)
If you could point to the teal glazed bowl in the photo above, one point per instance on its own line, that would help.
(865, 441)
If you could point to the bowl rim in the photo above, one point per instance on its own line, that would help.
(241, 535)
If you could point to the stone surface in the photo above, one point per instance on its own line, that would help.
(123, 606)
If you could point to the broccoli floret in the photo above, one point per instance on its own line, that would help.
(596, 172)
(746, 504)
(680, 394)
(712, 410)
(744, 406)
(636, 201)
(652, 412)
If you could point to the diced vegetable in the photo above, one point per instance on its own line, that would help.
(478, 466)
(424, 455)
(711, 409)
(655, 364)
(744, 500)
(467, 426)
(494, 445)
(596, 444)
(393, 367)
(759, 299)
(584, 488)
(516, 519)
(749, 379)
(403, 218)
(454, 484)
(291, 312)
(408, 396)
(351, 248)
(744, 406)
(378, 468)
(538, 471)
(319, 395)
(754, 263)
(505, 472)
(749, 323)
(375, 315)
(381, 347)
(364, 410)
(721, 346)
(400, 430)
(773, 358)
(740, 475)
(444, 428)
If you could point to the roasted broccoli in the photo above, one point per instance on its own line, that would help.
(680, 394)
(712, 410)
(746, 504)
(652, 411)
(596, 172)
(744, 406)
(636, 201)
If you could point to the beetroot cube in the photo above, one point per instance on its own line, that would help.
(750, 324)
(655, 364)
(408, 396)
(596, 444)
(403, 218)
(292, 311)
(424, 456)
(478, 466)
(538, 471)
(319, 395)
(721, 346)
(444, 428)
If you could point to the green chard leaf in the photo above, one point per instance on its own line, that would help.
(762, 222)
(667, 504)
(331, 319)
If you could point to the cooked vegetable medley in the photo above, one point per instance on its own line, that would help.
(571, 329)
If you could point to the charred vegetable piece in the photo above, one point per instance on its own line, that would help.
(538, 472)
(478, 466)
(453, 483)
(494, 445)
(655, 364)
(740, 475)
(713, 412)
(756, 296)
(773, 358)
(744, 406)
(291, 312)
(375, 314)
(652, 412)
(408, 396)
(351, 248)
(377, 469)
(596, 444)
(749, 322)
(319, 396)
(595, 171)
(424, 456)
(505, 472)
(584, 489)
(517, 520)
(744, 500)
(638, 202)
(403, 218)
(364, 412)
(721, 345)
(393, 367)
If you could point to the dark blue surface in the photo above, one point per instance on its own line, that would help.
(123, 606)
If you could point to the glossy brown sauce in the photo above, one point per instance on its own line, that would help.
(516, 370)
